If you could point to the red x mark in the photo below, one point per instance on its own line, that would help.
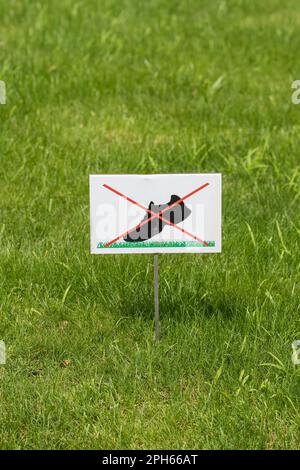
(155, 214)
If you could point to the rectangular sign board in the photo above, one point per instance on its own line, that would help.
(167, 213)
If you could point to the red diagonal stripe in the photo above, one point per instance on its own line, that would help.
(155, 214)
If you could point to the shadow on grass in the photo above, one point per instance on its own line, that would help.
(183, 306)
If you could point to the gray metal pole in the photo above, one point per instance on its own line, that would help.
(156, 299)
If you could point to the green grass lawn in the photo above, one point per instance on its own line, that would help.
(149, 87)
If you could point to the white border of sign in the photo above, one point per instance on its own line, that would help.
(118, 203)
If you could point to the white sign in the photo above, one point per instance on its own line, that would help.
(170, 213)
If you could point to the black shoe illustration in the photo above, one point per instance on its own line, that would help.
(176, 214)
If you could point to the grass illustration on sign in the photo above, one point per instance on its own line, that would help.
(147, 244)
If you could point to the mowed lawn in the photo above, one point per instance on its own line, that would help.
(149, 87)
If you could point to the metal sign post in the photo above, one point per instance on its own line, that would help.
(156, 298)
